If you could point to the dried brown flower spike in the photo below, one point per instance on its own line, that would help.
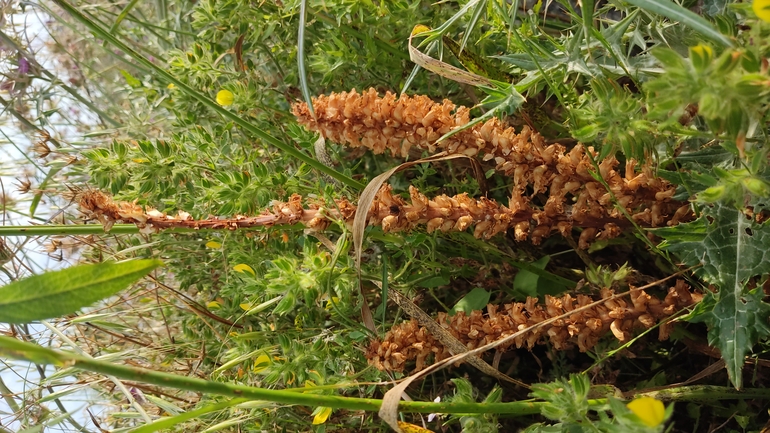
(553, 186)
(408, 341)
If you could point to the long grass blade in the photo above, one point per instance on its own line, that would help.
(301, 57)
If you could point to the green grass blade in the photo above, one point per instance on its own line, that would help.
(440, 30)
(123, 15)
(58, 293)
(12, 348)
(164, 75)
(673, 11)
(301, 56)
(39, 194)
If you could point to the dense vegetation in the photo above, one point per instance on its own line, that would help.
(282, 209)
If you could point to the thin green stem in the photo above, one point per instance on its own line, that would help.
(71, 230)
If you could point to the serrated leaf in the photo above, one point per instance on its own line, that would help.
(59, 293)
(730, 248)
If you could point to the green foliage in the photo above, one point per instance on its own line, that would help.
(64, 292)
(570, 406)
(279, 308)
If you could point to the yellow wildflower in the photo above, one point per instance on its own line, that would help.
(649, 410)
(225, 98)
(762, 9)
(321, 415)
(243, 267)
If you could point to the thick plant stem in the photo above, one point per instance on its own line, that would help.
(12, 348)
(30, 352)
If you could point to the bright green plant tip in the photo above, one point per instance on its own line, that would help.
(59, 293)
(649, 410)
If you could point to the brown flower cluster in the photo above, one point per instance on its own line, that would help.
(549, 182)
(409, 341)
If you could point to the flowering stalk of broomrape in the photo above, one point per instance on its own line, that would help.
(390, 211)
(554, 187)
(410, 342)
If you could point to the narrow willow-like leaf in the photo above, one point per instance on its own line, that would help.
(123, 14)
(672, 10)
(58, 293)
(731, 248)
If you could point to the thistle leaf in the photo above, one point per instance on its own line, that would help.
(731, 248)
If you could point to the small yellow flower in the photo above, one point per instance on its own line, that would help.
(261, 363)
(649, 410)
(762, 9)
(213, 245)
(411, 428)
(170, 86)
(321, 415)
(243, 267)
(225, 98)
(330, 303)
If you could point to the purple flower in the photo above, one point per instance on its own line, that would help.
(23, 66)
(137, 394)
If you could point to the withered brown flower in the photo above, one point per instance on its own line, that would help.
(408, 341)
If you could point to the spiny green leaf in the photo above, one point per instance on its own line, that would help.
(64, 292)
(672, 10)
(731, 248)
